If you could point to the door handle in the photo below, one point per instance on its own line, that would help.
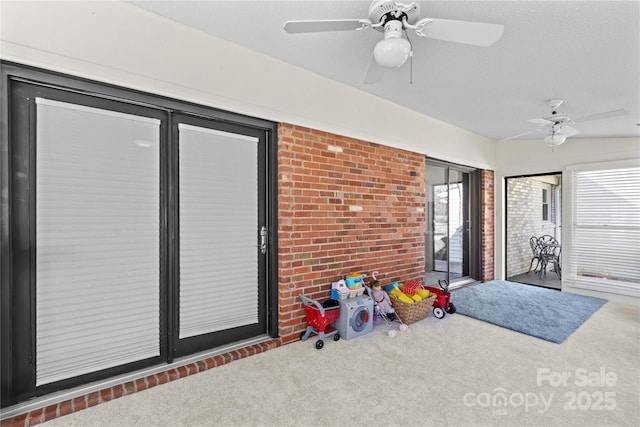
(263, 240)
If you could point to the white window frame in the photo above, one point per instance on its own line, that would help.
(546, 205)
(571, 279)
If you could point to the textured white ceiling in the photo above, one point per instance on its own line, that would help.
(584, 52)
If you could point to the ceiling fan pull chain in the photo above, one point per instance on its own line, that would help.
(410, 55)
(411, 68)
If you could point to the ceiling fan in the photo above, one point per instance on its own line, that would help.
(394, 19)
(556, 125)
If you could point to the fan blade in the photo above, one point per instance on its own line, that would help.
(474, 33)
(605, 115)
(374, 73)
(540, 121)
(567, 131)
(518, 136)
(293, 27)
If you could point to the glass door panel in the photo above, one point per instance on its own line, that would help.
(222, 291)
(437, 246)
(97, 243)
(447, 248)
(458, 224)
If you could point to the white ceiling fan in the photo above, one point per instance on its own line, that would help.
(394, 19)
(556, 125)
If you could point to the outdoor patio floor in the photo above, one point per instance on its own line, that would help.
(550, 280)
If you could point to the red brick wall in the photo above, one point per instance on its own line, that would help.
(344, 205)
(488, 219)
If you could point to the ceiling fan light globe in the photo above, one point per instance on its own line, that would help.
(555, 139)
(392, 52)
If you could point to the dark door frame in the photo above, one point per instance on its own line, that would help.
(12, 257)
(473, 214)
(506, 212)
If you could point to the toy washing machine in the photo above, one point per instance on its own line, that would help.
(356, 317)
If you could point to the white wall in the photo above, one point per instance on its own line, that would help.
(118, 43)
(516, 157)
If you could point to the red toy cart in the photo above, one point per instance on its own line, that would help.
(319, 320)
(443, 303)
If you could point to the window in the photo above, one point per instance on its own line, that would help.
(605, 227)
(545, 204)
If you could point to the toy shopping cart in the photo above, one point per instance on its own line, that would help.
(319, 320)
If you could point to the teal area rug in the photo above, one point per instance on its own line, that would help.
(542, 313)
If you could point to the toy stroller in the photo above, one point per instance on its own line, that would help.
(381, 306)
(319, 320)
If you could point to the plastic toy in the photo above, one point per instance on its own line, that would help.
(424, 294)
(319, 320)
(382, 304)
(442, 304)
(401, 296)
(339, 290)
(354, 280)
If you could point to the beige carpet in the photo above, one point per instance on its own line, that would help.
(448, 372)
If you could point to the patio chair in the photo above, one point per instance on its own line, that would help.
(536, 249)
(547, 240)
(549, 253)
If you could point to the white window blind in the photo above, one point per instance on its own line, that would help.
(97, 239)
(605, 234)
(218, 230)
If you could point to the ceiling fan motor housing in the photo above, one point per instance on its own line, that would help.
(384, 10)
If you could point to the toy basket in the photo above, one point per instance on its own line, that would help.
(410, 313)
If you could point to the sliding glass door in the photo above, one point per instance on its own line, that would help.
(449, 246)
(141, 230)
